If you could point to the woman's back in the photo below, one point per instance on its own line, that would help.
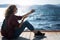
(9, 26)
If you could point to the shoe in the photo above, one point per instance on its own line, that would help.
(39, 34)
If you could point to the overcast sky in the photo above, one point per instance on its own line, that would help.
(30, 2)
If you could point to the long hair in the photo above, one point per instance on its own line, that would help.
(9, 11)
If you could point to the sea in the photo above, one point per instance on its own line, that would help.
(45, 17)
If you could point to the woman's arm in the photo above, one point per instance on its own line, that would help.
(24, 16)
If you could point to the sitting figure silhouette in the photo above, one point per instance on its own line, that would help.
(11, 28)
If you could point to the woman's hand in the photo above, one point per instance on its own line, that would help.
(32, 11)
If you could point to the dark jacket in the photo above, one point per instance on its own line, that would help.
(8, 26)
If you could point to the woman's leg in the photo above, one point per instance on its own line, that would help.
(29, 26)
(18, 31)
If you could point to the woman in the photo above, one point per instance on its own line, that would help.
(12, 28)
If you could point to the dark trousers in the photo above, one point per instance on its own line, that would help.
(18, 31)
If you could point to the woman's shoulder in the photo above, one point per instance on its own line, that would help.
(11, 16)
(15, 16)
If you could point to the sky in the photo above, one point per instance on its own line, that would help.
(30, 2)
(25, 3)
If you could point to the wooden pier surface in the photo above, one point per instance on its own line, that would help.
(30, 36)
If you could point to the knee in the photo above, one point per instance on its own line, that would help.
(26, 21)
